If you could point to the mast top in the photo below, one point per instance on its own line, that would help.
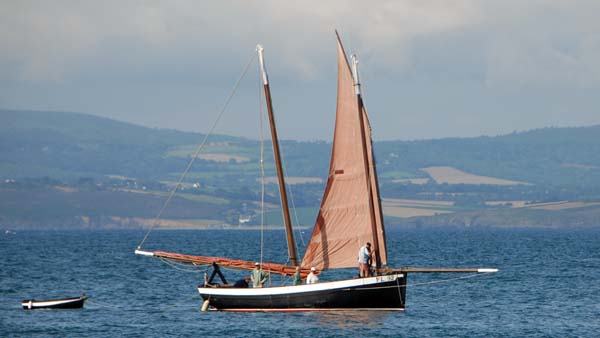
(355, 74)
(261, 61)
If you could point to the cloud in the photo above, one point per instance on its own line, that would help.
(550, 43)
(53, 38)
(171, 48)
(524, 41)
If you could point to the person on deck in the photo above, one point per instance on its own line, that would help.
(242, 283)
(364, 259)
(297, 278)
(259, 276)
(312, 276)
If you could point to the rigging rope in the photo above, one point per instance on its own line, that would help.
(178, 266)
(198, 150)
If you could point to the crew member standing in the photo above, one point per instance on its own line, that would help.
(364, 260)
(258, 276)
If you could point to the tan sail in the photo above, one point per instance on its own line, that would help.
(345, 219)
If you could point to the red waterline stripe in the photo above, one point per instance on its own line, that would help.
(309, 309)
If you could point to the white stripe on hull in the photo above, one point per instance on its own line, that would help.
(47, 303)
(280, 290)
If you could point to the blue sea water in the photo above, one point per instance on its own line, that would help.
(548, 286)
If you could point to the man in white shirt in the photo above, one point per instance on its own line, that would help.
(364, 260)
(312, 277)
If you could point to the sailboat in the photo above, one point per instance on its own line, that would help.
(350, 216)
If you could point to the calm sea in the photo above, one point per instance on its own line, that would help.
(548, 286)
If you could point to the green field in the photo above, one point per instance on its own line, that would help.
(190, 197)
(399, 174)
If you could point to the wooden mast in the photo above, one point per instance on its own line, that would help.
(366, 162)
(282, 191)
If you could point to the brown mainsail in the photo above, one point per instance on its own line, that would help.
(350, 213)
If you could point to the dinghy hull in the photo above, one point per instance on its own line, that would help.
(372, 293)
(65, 303)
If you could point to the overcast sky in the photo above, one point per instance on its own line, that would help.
(429, 69)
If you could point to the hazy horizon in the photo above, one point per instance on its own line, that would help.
(282, 137)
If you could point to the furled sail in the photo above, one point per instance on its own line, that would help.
(237, 264)
(350, 213)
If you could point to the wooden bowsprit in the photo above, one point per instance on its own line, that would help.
(408, 269)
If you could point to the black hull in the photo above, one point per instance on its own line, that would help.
(381, 295)
(67, 303)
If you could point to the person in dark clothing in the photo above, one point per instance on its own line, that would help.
(242, 283)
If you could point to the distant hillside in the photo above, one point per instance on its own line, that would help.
(63, 145)
(549, 156)
(58, 144)
(576, 218)
(68, 169)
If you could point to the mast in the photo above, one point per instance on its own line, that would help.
(282, 191)
(368, 173)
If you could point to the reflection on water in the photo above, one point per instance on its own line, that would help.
(354, 318)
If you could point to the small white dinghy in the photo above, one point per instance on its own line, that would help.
(64, 303)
